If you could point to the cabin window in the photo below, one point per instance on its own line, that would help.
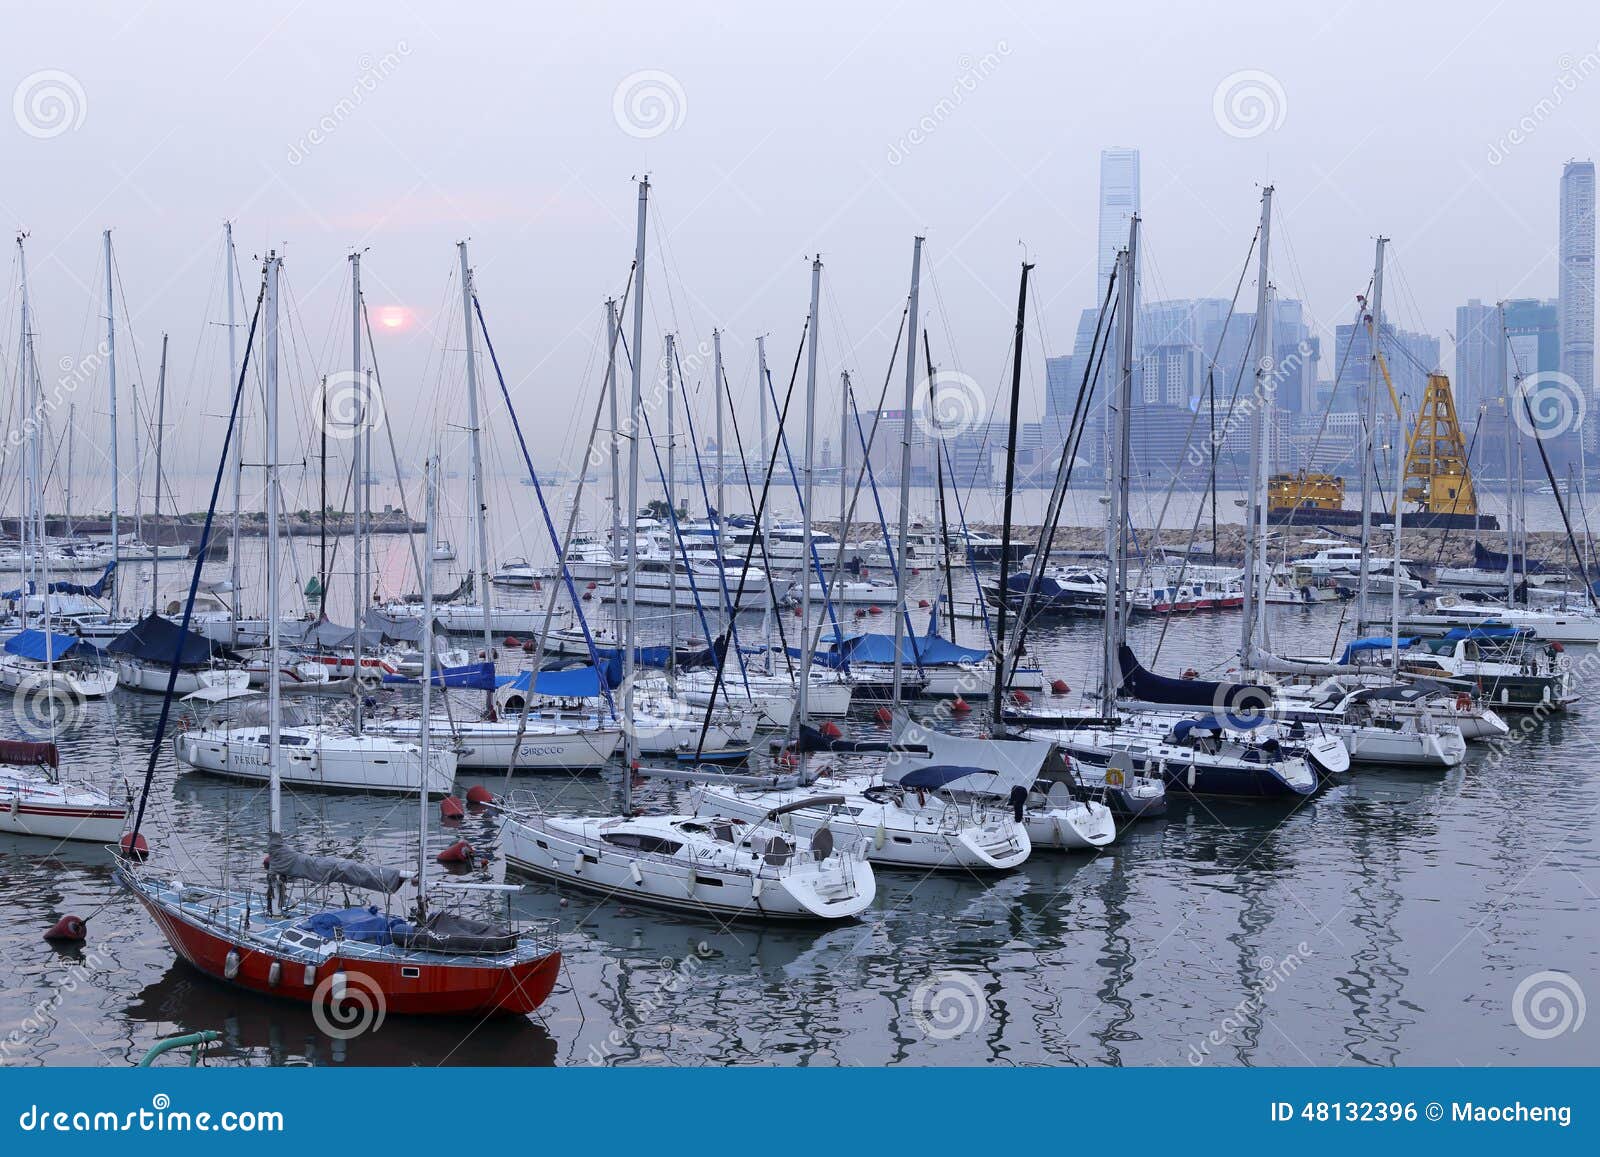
(409, 973)
(643, 843)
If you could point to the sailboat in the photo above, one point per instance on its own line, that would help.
(901, 826)
(731, 866)
(1192, 756)
(293, 932)
(243, 745)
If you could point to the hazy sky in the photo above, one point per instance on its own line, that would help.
(403, 127)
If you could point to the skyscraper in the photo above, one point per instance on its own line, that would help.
(1575, 290)
(1119, 200)
(1476, 330)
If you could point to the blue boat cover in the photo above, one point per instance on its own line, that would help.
(31, 644)
(367, 925)
(1183, 727)
(477, 676)
(929, 650)
(1373, 644)
(1485, 559)
(571, 683)
(933, 778)
(155, 640)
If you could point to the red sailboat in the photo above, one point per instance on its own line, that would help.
(293, 932)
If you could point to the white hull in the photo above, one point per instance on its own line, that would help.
(695, 879)
(330, 762)
(151, 678)
(490, 745)
(34, 805)
(930, 834)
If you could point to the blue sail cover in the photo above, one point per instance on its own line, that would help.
(18, 593)
(1373, 644)
(933, 778)
(1235, 699)
(35, 645)
(155, 640)
(1485, 559)
(571, 683)
(94, 590)
(1183, 727)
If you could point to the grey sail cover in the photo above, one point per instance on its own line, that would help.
(282, 860)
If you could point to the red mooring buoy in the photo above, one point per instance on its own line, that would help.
(1020, 698)
(960, 706)
(831, 729)
(478, 795)
(1059, 687)
(459, 852)
(885, 716)
(68, 930)
(134, 846)
(450, 808)
(513, 641)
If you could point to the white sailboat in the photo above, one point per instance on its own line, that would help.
(715, 864)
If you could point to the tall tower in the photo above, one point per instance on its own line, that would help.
(1119, 200)
(1576, 285)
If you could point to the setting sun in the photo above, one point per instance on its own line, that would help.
(394, 317)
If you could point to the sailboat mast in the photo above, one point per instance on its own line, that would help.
(274, 675)
(1116, 519)
(161, 420)
(33, 504)
(116, 472)
(1394, 584)
(802, 698)
(766, 514)
(72, 421)
(635, 431)
(616, 440)
(357, 421)
(431, 471)
(1369, 421)
(1255, 513)
(234, 572)
(716, 391)
(1005, 517)
(901, 551)
(474, 436)
(1500, 386)
(672, 512)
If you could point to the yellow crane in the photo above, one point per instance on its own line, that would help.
(1437, 477)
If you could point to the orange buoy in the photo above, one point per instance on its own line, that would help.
(874, 610)
(134, 846)
(1020, 698)
(68, 930)
(923, 604)
(450, 808)
(831, 729)
(590, 587)
(478, 795)
(1059, 687)
(960, 706)
(513, 641)
(884, 716)
(459, 852)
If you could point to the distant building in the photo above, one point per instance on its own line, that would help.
(1575, 289)
(1119, 200)
(1475, 358)
(1410, 358)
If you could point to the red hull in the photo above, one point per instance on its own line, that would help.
(436, 990)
